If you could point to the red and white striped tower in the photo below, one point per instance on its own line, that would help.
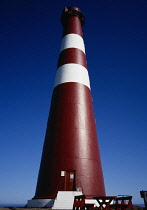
(71, 139)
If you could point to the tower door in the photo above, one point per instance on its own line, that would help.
(70, 178)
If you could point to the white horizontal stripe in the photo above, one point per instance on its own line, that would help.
(72, 41)
(72, 73)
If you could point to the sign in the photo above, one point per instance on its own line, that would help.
(145, 196)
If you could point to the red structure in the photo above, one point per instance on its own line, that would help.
(70, 158)
(79, 203)
(122, 202)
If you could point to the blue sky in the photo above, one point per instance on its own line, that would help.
(116, 48)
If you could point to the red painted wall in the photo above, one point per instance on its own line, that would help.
(71, 139)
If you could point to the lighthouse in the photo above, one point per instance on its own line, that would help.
(70, 158)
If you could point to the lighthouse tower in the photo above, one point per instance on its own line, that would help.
(71, 158)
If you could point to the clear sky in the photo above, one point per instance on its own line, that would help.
(115, 38)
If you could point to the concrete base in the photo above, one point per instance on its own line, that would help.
(40, 203)
(65, 200)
